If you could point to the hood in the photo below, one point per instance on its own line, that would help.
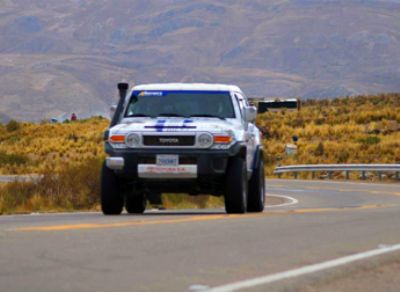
(174, 124)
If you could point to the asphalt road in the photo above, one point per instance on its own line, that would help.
(295, 243)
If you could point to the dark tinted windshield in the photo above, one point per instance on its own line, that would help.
(180, 103)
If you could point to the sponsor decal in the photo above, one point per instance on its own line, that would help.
(151, 93)
(163, 169)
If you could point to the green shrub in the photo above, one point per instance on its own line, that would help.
(370, 140)
(12, 126)
(320, 150)
(16, 159)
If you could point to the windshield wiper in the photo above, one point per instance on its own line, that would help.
(138, 115)
(207, 116)
(170, 115)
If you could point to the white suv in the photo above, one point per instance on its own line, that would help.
(182, 138)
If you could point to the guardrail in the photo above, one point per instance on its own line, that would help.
(20, 178)
(347, 168)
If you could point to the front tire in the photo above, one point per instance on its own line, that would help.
(135, 203)
(256, 195)
(112, 200)
(236, 186)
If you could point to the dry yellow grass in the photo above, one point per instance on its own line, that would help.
(365, 129)
(51, 146)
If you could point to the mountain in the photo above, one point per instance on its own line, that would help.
(58, 57)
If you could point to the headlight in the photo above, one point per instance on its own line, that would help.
(132, 140)
(205, 140)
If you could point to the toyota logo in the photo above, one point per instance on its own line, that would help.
(169, 140)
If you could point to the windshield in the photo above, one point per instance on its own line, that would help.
(216, 104)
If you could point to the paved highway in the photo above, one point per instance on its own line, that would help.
(329, 236)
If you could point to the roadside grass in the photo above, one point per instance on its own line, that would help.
(77, 187)
(73, 187)
(179, 201)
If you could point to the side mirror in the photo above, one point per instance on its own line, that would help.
(113, 109)
(250, 114)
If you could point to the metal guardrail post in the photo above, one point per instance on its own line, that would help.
(330, 174)
(313, 175)
(398, 175)
(363, 176)
(347, 174)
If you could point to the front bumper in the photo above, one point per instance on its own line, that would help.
(193, 163)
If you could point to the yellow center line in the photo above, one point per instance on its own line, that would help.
(277, 185)
(130, 223)
(197, 218)
(384, 193)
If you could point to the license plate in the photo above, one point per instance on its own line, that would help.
(167, 159)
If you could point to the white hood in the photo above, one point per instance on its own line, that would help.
(177, 124)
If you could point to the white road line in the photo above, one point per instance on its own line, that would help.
(288, 190)
(305, 270)
(292, 201)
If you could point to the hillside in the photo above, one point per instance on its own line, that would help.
(57, 57)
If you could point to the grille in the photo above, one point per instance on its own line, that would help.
(147, 160)
(187, 160)
(168, 140)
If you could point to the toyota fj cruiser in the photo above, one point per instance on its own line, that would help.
(182, 138)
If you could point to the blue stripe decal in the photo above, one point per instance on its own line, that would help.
(160, 128)
(186, 122)
(160, 125)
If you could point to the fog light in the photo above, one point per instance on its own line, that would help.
(132, 140)
(205, 140)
